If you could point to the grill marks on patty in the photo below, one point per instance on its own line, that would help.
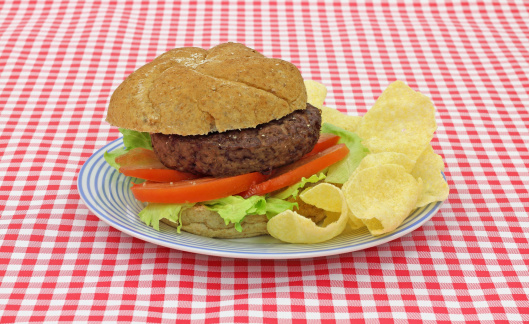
(266, 147)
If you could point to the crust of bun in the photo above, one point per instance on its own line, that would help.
(191, 91)
(201, 221)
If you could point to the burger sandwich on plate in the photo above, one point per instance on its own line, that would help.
(224, 139)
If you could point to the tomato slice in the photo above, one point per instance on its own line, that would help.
(142, 163)
(325, 141)
(192, 191)
(292, 173)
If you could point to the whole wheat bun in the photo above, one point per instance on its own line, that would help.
(201, 221)
(192, 91)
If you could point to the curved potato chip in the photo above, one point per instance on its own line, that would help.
(323, 197)
(336, 117)
(330, 217)
(401, 120)
(354, 222)
(375, 159)
(382, 196)
(428, 168)
(316, 93)
(291, 227)
(327, 199)
(333, 205)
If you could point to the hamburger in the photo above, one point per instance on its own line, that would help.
(221, 113)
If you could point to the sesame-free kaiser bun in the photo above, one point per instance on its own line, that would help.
(222, 112)
(192, 91)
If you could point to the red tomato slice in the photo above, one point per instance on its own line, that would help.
(292, 173)
(325, 141)
(142, 163)
(192, 191)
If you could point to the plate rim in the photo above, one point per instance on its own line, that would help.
(433, 208)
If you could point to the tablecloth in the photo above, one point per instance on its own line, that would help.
(61, 60)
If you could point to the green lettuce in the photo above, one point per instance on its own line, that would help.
(153, 213)
(131, 139)
(276, 206)
(294, 189)
(340, 172)
(111, 156)
(232, 209)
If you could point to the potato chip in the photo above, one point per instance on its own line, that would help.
(323, 197)
(354, 222)
(401, 120)
(291, 227)
(332, 204)
(330, 218)
(372, 160)
(428, 168)
(316, 93)
(382, 196)
(336, 117)
(401, 172)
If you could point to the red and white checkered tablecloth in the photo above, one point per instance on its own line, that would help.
(61, 60)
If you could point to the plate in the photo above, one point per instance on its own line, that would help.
(106, 193)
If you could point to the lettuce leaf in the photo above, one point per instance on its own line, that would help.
(341, 171)
(111, 156)
(293, 190)
(232, 209)
(131, 139)
(153, 213)
(276, 206)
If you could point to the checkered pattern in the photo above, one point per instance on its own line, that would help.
(61, 60)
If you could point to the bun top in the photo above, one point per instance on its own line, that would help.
(191, 91)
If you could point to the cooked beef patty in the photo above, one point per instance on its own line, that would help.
(266, 147)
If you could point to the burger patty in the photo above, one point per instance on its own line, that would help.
(266, 147)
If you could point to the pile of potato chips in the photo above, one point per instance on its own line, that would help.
(400, 174)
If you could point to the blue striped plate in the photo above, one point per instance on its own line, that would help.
(106, 193)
